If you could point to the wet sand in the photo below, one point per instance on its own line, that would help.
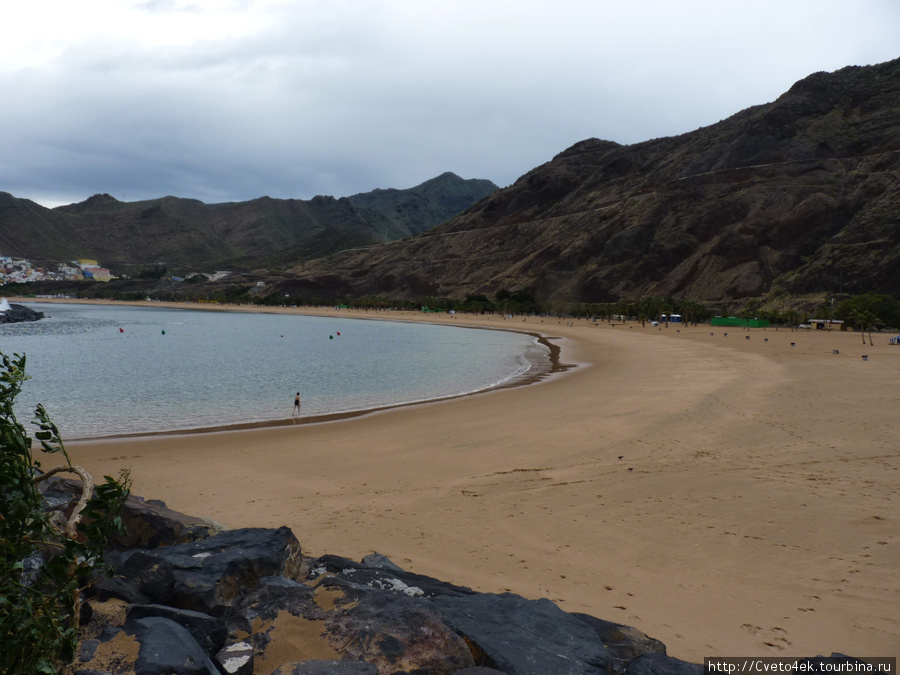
(728, 495)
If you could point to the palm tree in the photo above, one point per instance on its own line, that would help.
(792, 316)
(865, 321)
(825, 311)
(666, 308)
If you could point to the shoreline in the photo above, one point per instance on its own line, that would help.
(726, 494)
(554, 366)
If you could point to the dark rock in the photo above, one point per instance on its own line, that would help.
(520, 636)
(154, 577)
(85, 613)
(392, 630)
(479, 670)
(167, 647)
(121, 589)
(19, 314)
(148, 646)
(624, 642)
(327, 668)
(381, 562)
(660, 664)
(281, 620)
(386, 577)
(87, 649)
(58, 492)
(210, 573)
(149, 524)
(271, 596)
(209, 632)
(338, 620)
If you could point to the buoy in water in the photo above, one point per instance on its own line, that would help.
(339, 332)
(164, 332)
(121, 330)
(331, 337)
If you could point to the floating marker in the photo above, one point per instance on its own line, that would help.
(331, 337)
(121, 330)
(164, 332)
(339, 332)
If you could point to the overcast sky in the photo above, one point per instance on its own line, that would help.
(229, 100)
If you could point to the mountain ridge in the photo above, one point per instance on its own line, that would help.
(187, 233)
(795, 196)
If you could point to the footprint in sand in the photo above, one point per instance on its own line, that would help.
(778, 639)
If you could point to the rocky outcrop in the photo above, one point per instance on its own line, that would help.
(19, 313)
(248, 602)
(149, 523)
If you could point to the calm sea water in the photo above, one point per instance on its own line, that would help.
(103, 371)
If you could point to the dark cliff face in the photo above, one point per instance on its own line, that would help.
(801, 195)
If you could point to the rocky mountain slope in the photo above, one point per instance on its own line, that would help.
(188, 234)
(797, 196)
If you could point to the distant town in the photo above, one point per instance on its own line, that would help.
(19, 270)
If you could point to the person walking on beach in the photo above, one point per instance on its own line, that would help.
(296, 404)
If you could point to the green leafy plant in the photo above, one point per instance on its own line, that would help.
(47, 559)
(865, 321)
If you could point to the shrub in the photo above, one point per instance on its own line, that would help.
(45, 564)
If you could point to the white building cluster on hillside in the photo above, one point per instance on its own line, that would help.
(19, 270)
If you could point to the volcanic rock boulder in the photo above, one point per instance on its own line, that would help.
(207, 575)
(19, 314)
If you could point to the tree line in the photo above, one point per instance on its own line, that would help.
(865, 312)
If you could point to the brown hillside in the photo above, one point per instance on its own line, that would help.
(186, 234)
(801, 195)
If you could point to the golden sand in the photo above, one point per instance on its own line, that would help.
(728, 495)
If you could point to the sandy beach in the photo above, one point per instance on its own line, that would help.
(730, 495)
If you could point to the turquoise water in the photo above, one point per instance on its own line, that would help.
(104, 371)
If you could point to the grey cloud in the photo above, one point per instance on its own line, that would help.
(388, 95)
